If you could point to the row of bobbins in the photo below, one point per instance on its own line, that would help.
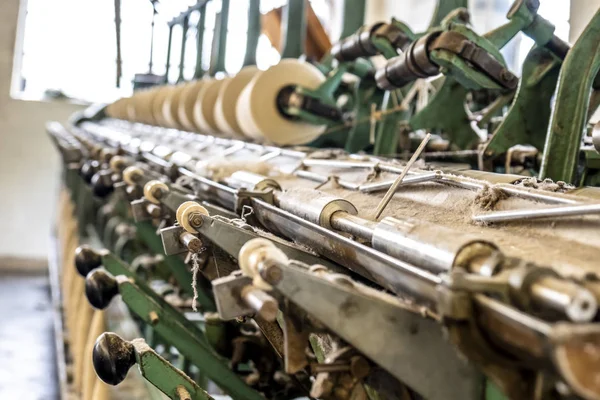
(243, 106)
(82, 323)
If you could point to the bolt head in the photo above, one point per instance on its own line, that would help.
(196, 220)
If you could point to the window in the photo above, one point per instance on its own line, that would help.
(69, 46)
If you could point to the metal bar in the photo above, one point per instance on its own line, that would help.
(390, 193)
(356, 226)
(520, 215)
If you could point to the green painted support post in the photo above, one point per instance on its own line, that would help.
(253, 33)
(184, 31)
(200, 43)
(169, 48)
(528, 116)
(570, 114)
(219, 47)
(443, 8)
(353, 16)
(293, 28)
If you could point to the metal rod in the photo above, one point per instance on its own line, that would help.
(390, 193)
(520, 215)
(356, 226)
(377, 186)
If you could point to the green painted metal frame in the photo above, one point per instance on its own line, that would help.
(570, 113)
(445, 7)
(293, 28)
(353, 16)
(254, 30)
(175, 330)
(199, 71)
(164, 376)
(527, 119)
(219, 50)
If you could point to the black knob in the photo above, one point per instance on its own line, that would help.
(88, 169)
(100, 288)
(86, 260)
(112, 358)
(102, 184)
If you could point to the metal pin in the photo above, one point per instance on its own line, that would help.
(519, 215)
(390, 193)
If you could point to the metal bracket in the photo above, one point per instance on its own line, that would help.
(433, 368)
(227, 292)
(171, 240)
(140, 211)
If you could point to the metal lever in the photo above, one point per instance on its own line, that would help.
(113, 356)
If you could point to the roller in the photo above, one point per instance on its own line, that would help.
(118, 109)
(171, 106)
(186, 211)
(142, 103)
(185, 104)
(204, 115)
(225, 109)
(97, 327)
(158, 102)
(257, 111)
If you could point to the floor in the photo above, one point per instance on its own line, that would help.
(27, 355)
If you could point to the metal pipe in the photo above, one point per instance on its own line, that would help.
(356, 226)
(520, 215)
(395, 275)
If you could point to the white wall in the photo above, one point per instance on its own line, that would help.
(581, 13)
(29, 165)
